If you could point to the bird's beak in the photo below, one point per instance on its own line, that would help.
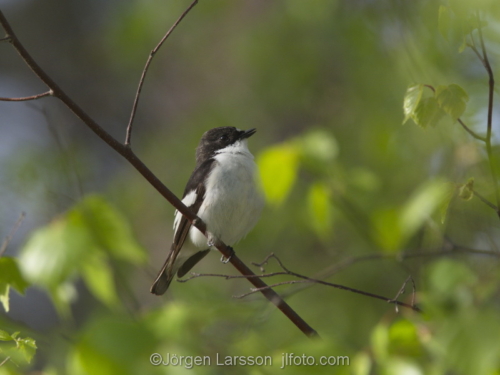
(248, 133)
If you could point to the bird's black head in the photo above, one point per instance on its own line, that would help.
(217, 139)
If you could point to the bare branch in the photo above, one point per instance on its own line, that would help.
(129, 155)
(13, 231)
(305, 279)
(145, 70)
(447, 250)
(26, 98)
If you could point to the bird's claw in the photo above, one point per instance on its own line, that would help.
(225, 260)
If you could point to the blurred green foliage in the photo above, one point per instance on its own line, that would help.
(353, 196)
(16, 349)
(10, 276)
(82, 242)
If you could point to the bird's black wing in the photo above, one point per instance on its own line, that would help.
(195, 184)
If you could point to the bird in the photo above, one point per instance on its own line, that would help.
(223, 191)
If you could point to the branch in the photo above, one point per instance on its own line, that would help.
(491, 91)
(26, 98)
(7, 239)
(145, 70)
(305, 279)
(448, 249)
(483, 57)
(129, 155)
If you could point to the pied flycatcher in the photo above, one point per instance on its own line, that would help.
(222, 191)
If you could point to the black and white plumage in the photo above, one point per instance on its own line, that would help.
(222, 191)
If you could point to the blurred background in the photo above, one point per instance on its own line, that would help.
(357, 197)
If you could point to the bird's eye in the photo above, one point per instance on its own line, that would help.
(223, 137)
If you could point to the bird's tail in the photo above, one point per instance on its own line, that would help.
(164, 277)
(169, 269)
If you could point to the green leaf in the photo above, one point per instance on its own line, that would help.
(473, 23)
(463, 45)
(443, 208)
(386, 229)
(380, 342)
(4, 336)
(444, 21)
(10, 276)
(411, 101)
(63, 296)
(27, 346)
(403, 339)
(466, 191)
(452, 99)
(59, 252)
(108, 229)
(111, 345)
(448, 275)
(361, 364)
(53, 256)
(421, 205)
(319, 207)
(278, 167)
(54, 253)
(319, 146)
(428, 113)
(4, 296)
(364, 179)
(98, 277)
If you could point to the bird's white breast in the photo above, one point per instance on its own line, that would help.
(232, 203)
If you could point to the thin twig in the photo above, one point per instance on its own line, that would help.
(402, 290)
(399, 257)
(470, 131)
(128, 135)
(129, 155)
(486, 201)
(4, 361)
(26, 98)
(305, 279)
(13, 231)
(255, 290)
(5, 39)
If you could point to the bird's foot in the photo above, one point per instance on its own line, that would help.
(225, 260)
(211, 240)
